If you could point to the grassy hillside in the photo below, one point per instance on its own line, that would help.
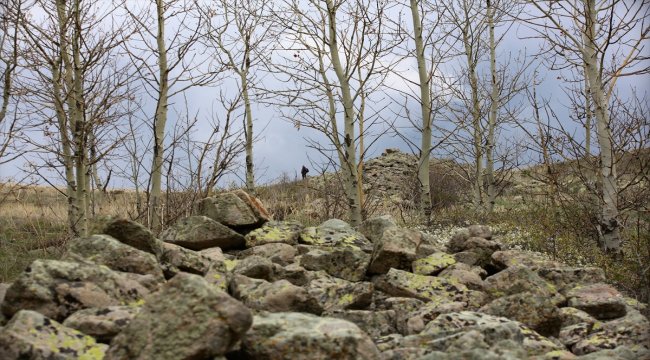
(33, 219)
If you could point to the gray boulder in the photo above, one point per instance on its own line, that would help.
(337, 294)
(335, 233)
(201, 232)
(236, 209)
(601, 301)
(298, 336)
(175, 259)
(279, 253)
(422, 287)
(102, 324)
(30, 335)
(343, 262)
(106, 250)
(187, 319)
(134, 234)
(277, 296)
(373, 228)
(57, 289)
(396, 249)
(286, 232)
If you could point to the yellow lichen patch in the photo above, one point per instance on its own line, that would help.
(230, 264)
(137, 303)
(346, 299)
(433, 264)
(94, 353)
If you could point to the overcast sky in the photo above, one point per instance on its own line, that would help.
(282, 148)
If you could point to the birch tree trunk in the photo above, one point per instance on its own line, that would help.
(492, 117)
(425, 103)
(476, 121)
(588, 115)
(159, 123)
(349, 167)
(609, 225)
(250, 175)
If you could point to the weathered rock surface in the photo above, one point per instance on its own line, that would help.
(397, 248)
(286, 232)
(30, 335)
(201, 232)
(187, 319)
(175, 259)
(601, 301)
(57, 289)
(343, 262)
(236, 210)
(106, 250)
(335, 233)
(297, 336)
(134, 234)
(382, 292)
(277, 296)
(422, 287)
(102, 323)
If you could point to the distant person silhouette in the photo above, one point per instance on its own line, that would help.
(304, 172)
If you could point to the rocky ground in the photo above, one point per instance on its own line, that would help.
(229, 283)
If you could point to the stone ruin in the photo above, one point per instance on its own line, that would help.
(230, 283)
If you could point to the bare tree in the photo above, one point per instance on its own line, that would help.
(76, 90)
(329, 56)
(167, 65)
(238, 33)
(606, 39)
(10, 14)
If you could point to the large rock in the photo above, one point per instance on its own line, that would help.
(175, 259)
(337, 294)
(396, 249)
(286, 232)
(102, 324)
(533, 260)
(57, 289)
(493, 328)
(566, 277)
(632, 330)
(373, 228)
(201, 232)
(533, 310)
(277, 296)
(297, 336)
(432, 264)
(417, 319)
(30, 335)
(279, 253)
(236, 210)
(426, 288)
(601, 301)
(517, 279)
(255, 267)
(335, 233)
(374, 323)
(106, 250)
(187, 319)
(134, 234)
(343, 262)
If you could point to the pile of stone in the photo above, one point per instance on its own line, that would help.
(230, 283)
(391, 174)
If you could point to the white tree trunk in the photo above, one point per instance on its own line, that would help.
(350, 166)
(609, 226)
(492, 117)
(160, 121)
(425, 103)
